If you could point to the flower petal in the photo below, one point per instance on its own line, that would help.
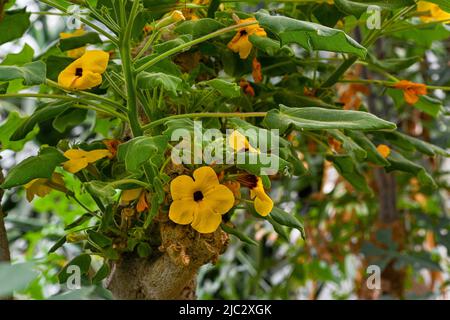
(95, 61)
(220, 199)
(75, 154)
(75, 165)
(94, 155)
(182, 188)
(182, 211)
(88, 80)
(205, 219)
(263, 205)
(205, 178)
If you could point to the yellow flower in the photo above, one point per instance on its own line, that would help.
(432, 12)
(85, 72)
(262, 202)
(79, 159)
(177, 15)
(241, 43)
(239, 142)
(384, 150)
(39, 187)
(201, 201)
(78, 52)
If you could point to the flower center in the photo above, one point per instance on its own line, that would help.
(79, 72)
(198, 195)
(243, 32)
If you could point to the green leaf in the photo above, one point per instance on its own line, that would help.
(150, 80)
(83, 261)
(238, 234)
(372, 153)
(271, 46)
(15, 277)
(55, 65)
(288, 220)
(429, 105)
(99, 239)
(68, 119)
(40, 115)
(358, 153)
(309, 35)
(14, 121)
(279, 228)
(394, 64)
(14, 24)
(40, 166)
(144, 250)
(101, 189)
(58, 244)
(320, 119)
(101, 274)
(225, 88)
(359, 8)
(85, 217)
(137, 151)
(347, 168)
(32, 73)
(400, 163)
(80, 41)
(198, 28)
(18, 59)
(168, 45)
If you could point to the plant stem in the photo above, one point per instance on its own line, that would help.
(127, 66)
(205, 115)
(110, 102)
(127, 181)
(87, 22)
(192, 43)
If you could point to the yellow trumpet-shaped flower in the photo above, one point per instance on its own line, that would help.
(85, 72)
(80, 159)
(262, 202)
(199, 201)
(78, 52)
(39, 187)
(239, 142)
(432, 12)
(241, 43)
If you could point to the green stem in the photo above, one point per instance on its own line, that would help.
(147, 44)
(205, 115)
(192, 43)
(110, 102)
(128, 181)
(127, 66)
(85, 21)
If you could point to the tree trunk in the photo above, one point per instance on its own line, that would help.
(170, 273)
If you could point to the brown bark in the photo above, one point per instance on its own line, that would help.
(171, 273)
